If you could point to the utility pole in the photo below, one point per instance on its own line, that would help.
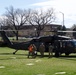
(63, 17)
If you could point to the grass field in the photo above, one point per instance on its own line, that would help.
(19, 64)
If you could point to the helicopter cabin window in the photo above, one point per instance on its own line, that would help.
(64, 44)
(75, 43)
(69, 44)
(60, 44)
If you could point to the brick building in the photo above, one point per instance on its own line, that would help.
(29, 30)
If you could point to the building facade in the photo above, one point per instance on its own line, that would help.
(29, 30)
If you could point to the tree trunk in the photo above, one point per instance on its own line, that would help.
(16, 35)
(38, 33)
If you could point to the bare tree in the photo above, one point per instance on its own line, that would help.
(41, 18)
(2, 22)
(16, 18)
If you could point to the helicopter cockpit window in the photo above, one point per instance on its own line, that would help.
(75, 43)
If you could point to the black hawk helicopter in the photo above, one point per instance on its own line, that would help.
(37, 41)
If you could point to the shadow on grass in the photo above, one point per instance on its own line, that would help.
(5, 53)
(24, 56)
(6, 59)
(12, 58)
(71, 57)
(11, 54)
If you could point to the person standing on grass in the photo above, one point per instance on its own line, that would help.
(42, 49)
(30, 48)
(32, 51)
(50, 49)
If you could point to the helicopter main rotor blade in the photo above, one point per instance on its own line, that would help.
(12, 30)
(67, 31)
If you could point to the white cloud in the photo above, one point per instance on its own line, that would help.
(65, 6)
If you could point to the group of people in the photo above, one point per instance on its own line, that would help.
(33, 50)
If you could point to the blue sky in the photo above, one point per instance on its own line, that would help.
(23, 4)
(65, 6)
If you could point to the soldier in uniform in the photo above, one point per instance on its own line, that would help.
(50, 50)
(34, 51)
(42, 49)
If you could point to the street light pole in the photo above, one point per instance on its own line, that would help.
(63, 17)
(35, 31)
